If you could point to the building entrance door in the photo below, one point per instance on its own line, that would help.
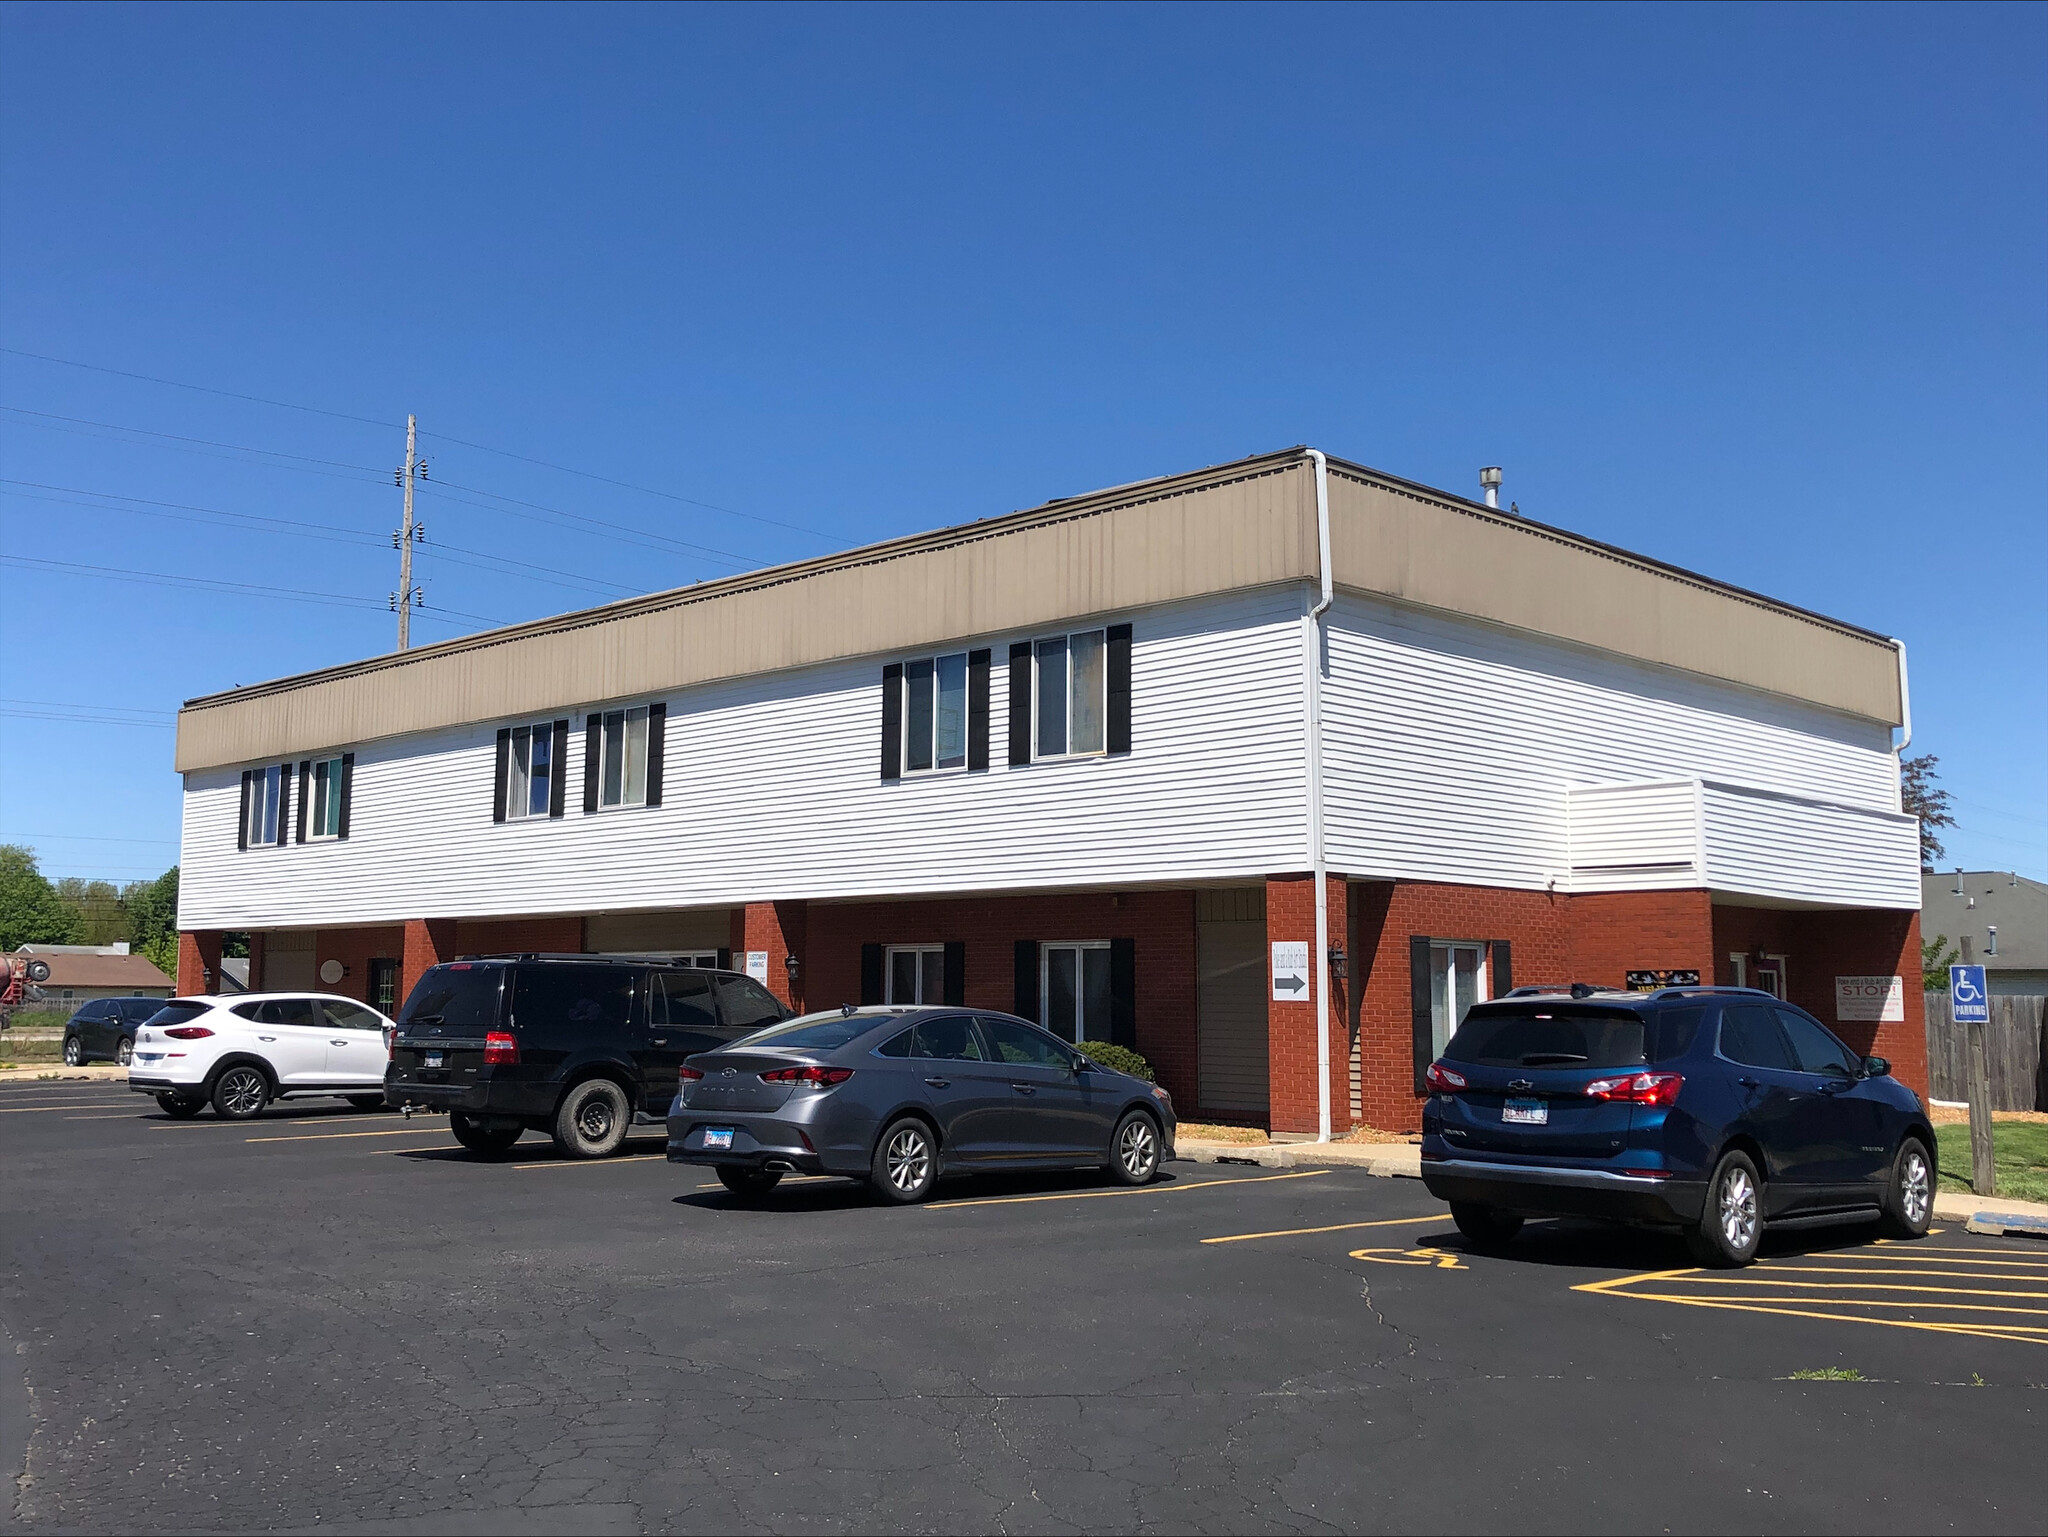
(1232, 1072)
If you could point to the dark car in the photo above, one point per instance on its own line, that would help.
(1710, 1111)
(900, 1096)
(577, 1046)
(105, 1028)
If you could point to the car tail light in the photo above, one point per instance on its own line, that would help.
(1443, 1080)
(689, 1074)
(188, 1032)
(809, 1076)
(1637, 1088)
(500, 1049)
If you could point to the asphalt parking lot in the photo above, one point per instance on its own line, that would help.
(339, 1321)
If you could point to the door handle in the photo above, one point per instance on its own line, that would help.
(266, 1037)
(1023, 1088)
(1750, 1083)
(661, 1040)
(940, 1083)
(337, 1043)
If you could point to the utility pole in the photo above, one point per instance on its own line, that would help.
(407, 595)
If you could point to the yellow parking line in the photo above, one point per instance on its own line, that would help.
(336, 1136)
(787, 1179)
(2017, 1335)
(590, 1163)
(107, 1115)
(1097, 1195)
(1772, 1278)
(45, 1109)
(1335, 1227)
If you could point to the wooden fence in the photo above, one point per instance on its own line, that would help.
(2012, 1051)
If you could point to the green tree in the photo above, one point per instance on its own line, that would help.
(96, 908)
(152, 912)
(30, 912)
(1936, 956)
(1919, 798)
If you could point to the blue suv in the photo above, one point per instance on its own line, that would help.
(1713, 1111)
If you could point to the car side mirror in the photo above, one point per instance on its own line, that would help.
(1876, 1067)
(1081, 1065)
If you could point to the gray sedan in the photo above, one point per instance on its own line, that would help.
(899, 1096)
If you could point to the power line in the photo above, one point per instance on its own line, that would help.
(682, 544)
(122, 373)
(70, 704)
(87, 720)
(203, 453)
(211, 584)
(93, 838)
(176, 437)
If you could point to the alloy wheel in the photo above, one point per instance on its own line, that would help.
(1915, 1186)
(243, 1091)
(125, 1052)
(909, 1159)
(1738, 1209)
(74, 1053)
(1136, 1148)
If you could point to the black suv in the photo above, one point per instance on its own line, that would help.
(106, 1028)
(577, 1046)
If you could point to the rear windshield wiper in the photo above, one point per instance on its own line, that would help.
(1550, 1058)
(426, 1019)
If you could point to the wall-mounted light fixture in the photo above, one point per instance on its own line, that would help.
(793, 966)
(1340, 963)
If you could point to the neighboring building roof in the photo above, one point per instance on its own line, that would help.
(2017, 906)
(120, 947)
(1248, 524)
(68, 968)
(234, 974)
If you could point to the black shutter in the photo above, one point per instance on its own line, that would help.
(1026, 995)
(956, 973)
(558, 770)
(1503, 978)
(870, 973)
(305, 784)
(977, 710)
(593, 728)
(348, 789)
(1119, 733)
(892, 721)
(284, 804)
(725, 960)
(657, 743)
(1418, 1006)
(1123, 992)
(242, 827)
(504, 773)
(1020, 714)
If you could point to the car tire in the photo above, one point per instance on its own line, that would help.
(479, 1138)
(74, 1051)
(1732, 1223)
(592, 1119)
(124, 1054)
(1909, 1193)
(1485, 1227)
(749, 1184)
(906, 1165)
(178, 1107)
(241, 1092)
(366, 1102)
(1134, 1150)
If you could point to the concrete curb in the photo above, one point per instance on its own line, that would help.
(41, 1070)
(1999, 1216)
(1394, 1160)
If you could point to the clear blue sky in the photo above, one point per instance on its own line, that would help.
(1760, 291)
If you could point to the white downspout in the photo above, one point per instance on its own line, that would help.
(1312, 687)
(1906, 723)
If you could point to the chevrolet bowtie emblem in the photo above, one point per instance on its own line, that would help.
(1519, 1083)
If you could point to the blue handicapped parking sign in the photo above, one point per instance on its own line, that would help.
(1968, 1003)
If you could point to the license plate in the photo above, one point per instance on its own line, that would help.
(718, 1137)
(433, 1059)
(1526, 1112)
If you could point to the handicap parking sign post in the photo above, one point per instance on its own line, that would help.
(1967, 997)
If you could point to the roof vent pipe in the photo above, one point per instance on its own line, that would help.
(1489, 480)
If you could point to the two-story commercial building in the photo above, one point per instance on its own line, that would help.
(1268, 770)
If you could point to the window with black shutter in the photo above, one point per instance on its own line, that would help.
(892, 722)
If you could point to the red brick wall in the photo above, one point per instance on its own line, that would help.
(780, 929)
(198, 961)
(513, 936)
(355, 949)
(1161, 922)
(428, 942)
(1295, 1079)
(1614, 933)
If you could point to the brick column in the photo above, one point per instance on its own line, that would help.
(428, 942)
(198, 961)
(780, 929)
(1291, 1023)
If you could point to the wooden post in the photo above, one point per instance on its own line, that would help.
(1983, 1168)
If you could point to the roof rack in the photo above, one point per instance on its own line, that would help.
(1592, 990)
(586, 959)
(1543, 989)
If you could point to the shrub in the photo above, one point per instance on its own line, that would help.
(1119, 1059)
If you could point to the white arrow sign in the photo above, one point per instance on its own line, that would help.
(1290, 971)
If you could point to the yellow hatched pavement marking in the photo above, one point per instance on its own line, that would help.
(1102, 1195)
(1335, 1227)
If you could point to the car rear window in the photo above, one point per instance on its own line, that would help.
(178, 1012)
(812, 1033)
(1549, 1035)
(461, 994)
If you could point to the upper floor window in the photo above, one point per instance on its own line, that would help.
(1070, 687)
(323, 798)
(935, 713)
(266, 793)
(622, 755)
(530, 771)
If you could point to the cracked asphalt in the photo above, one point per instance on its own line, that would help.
(354, 1327)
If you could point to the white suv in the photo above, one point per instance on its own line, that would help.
(240, 1053)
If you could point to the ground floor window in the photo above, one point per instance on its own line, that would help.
(1457, 980)
(1073, 986)
(384, 987)
(916, 974)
